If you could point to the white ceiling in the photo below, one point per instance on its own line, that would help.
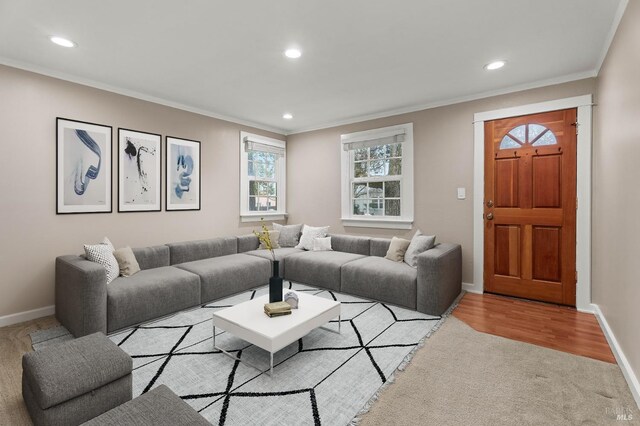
(361, 58)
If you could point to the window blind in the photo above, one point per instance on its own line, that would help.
(396, 137)
(252, 146)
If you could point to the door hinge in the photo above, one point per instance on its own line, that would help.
(576, 277)
(577, 126)
(576, 203)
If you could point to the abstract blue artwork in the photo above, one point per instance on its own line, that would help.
(83, 167)
(138, 171)
(183, 174)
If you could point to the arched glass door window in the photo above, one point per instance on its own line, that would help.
(528, 134)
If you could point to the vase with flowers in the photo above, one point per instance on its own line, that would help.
(275, 282)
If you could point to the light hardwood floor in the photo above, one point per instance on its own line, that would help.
(14, 342)
(543, 324)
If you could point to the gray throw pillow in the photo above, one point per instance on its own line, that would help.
(127, 261)
(419, 244)
(289, 234)
(397, 248)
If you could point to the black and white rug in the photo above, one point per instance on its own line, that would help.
(323, 378)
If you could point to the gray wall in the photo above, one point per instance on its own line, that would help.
(616, 199)
(32, 235)
(443, 152)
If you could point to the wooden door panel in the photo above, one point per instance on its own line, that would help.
(530, 190)
(507, 250)
(542, 216)
(506, 178)
(543, 290)
(547, 181)
(547, 253)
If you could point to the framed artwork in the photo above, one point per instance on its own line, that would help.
(83, 167)
(182, 174)
(139, 170)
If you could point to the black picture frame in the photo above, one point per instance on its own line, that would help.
(84, 167)
(139, 190)
(183, 161)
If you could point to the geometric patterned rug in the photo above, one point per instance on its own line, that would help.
(323, 378)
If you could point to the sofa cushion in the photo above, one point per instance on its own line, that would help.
(190, 251)
(152, 257)
(379, 246)
(247, 242)
(317, 268)
(159, 406)
(227, 275)
(381, 279)
(150, 294)
(62, 372)
(350, 244)
(81, 408)
(280, 253)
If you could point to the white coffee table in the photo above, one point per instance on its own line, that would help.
(248, 321)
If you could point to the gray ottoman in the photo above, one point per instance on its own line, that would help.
(76, 381)
(158, 407)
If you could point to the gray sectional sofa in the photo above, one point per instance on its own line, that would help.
(177, 276)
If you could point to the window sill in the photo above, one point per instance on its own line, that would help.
(367, 222)
(253, 217)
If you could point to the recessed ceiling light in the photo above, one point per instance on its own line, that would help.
(293, 53)
(494, 65)
(61, 41)
(287, 116)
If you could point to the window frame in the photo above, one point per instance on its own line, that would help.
(405, 220)
(247, 215)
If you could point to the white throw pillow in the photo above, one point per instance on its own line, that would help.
(103, 255)
(322, 244)
(419, 244)
(309, 233)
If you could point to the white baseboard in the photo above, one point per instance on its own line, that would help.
(471, 288)
(589, 309)
(627, 371)
(27, 315)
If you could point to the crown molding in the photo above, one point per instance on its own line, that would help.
(612, 33)
(137, 95)
(451, 101)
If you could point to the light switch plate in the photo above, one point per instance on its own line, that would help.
(462, 193)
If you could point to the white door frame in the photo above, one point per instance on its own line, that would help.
(583, 215)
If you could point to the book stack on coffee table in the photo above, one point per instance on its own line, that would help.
(277, 309)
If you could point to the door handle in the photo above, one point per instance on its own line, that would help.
(490, 203)
(490, 216)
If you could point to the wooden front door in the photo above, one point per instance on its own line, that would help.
(530, 207)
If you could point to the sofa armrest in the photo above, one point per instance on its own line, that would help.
(81, 295)
(439, 278)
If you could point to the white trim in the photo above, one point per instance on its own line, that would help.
(583, 215)
(445, 102)
(623, 362)
(469, 287)
(27, 315)
(612, 33)
(286, 132)
(377, 223)
(246, 218)
(590, 309)
(133, 94)
(405, 221)
(281, 178)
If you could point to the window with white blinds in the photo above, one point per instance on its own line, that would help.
(377, 177)
(262, 178)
